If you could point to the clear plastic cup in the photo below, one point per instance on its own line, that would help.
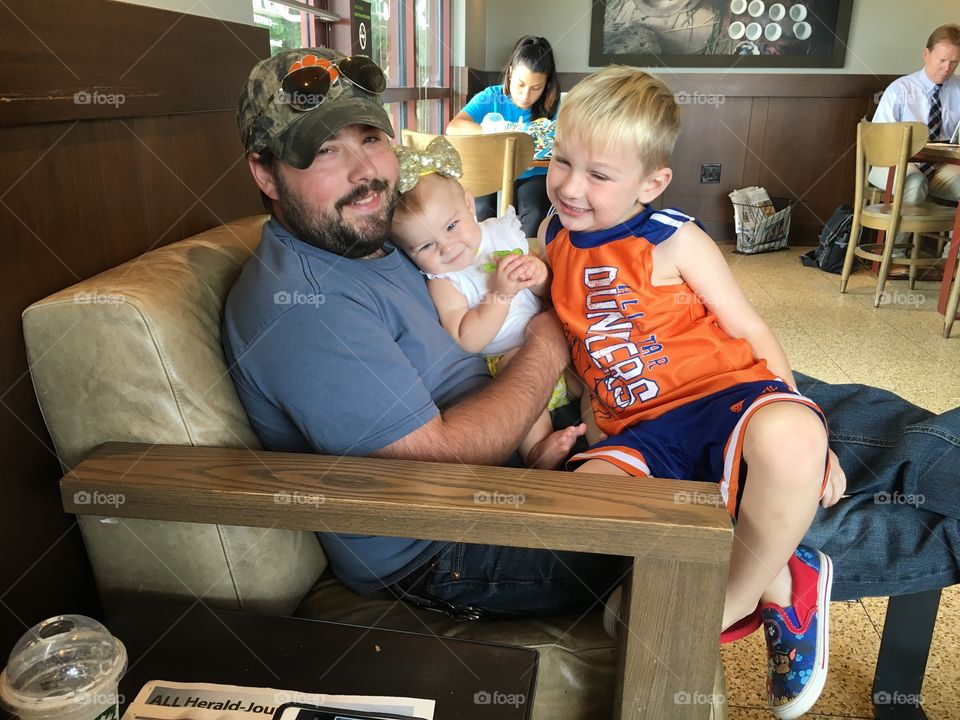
(493, 122)
(64, 668)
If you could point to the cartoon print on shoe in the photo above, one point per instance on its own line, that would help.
(798, 636)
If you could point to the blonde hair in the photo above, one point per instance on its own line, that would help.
(622, 106)
(945, 33)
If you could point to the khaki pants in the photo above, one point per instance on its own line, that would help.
(943, 184)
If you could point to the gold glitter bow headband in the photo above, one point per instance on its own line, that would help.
(438, 157)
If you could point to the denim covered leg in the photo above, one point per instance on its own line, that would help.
(898, 531)
(505, 582)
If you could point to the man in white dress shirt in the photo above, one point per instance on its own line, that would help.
(931, 96)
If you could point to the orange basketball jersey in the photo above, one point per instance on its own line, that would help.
(641, 349)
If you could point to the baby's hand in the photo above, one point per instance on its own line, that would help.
(513, 274)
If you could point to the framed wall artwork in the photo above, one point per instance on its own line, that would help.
(720, 33)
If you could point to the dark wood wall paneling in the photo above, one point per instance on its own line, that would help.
(84, 187)
(793, 134)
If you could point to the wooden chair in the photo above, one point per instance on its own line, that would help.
(891, 145)
(491, 162)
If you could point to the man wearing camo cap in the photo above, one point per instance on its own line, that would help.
(301, 115)
(335, 347)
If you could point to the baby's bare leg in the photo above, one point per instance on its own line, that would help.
(545, 448)
(576, 389)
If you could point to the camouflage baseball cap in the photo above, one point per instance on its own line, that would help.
(268, 121)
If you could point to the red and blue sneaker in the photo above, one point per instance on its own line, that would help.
(798, 636)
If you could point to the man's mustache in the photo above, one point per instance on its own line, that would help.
(362, 191)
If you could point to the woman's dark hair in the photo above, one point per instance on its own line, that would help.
(536, 55)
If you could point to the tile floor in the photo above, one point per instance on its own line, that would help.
(842, 338)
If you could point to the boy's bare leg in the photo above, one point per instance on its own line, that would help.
(600, 467)
(779, 502)
(545, 448)
(785, 446)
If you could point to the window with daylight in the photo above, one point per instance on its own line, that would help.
(289, 28)
(410, 40)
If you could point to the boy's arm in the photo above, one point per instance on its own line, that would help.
(541, 244)
(702, 266)
(472, 328)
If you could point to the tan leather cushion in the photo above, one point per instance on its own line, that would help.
(133, 354)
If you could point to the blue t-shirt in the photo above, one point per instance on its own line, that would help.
(342, 357)
(493, 99)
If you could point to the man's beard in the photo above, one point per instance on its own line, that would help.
(329, 230)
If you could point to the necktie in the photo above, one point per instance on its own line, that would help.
(935, 119)
(935, 123)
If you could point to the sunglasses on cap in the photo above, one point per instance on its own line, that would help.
(306, 87)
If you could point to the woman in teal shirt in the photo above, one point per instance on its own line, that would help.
(529, 91)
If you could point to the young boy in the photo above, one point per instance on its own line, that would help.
(485, 285)
(685, 377)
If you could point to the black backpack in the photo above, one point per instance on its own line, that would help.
(834, 238)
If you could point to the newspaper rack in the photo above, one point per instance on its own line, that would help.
(761, 232)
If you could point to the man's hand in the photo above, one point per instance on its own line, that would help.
(836, 482)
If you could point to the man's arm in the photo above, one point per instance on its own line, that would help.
(486, 428)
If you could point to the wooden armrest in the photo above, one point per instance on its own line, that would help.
(432, 501)
(677, 533)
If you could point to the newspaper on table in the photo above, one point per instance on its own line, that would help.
(163, 700)
(750, 206)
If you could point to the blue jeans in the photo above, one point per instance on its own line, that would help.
(898, 531)
(511, 582)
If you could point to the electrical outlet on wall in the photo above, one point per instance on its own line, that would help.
(710, 172)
